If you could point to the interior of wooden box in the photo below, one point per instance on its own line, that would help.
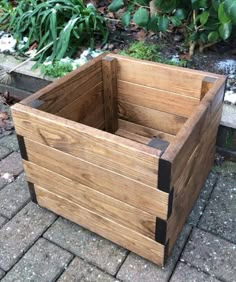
(142, 101)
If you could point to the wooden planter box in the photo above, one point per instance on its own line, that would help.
(122, 147)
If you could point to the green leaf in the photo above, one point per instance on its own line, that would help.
(180, 13)
(213, 36)
(203, 37)
(153, 24)
(115, 5)
(197, 4)
(225, 30)
(125, 18)
(204, 17)
(230, 9)
(143, 2)
(167, 6)
(141, 17)
(163, 23)
(223, 17)
(176, 21)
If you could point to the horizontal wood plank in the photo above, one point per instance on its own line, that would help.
(165, 122)
(170, 78)
(105, 181)
(68, 88)
(190, 134)
(132, 136)
(144, 131)
(84, 108)
(115, 153)
(86, 197)
(117, 233)
(156, 99)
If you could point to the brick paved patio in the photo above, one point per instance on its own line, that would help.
(37, 245)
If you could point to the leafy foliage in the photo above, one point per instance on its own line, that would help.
(205, 22)
(56, 69)
(150, 52)
(66, 23)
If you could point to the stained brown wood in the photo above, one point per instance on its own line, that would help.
(86, 197)
(100, 148)
(170, 78)
(190, 134)
(162, 121)
(112, 184)
(156, 99)
(110, 93)
(111, 230)
(144, 131)
(67, 89)
(132, 136)
(86, 108)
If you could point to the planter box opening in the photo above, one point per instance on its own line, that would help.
(122, 147)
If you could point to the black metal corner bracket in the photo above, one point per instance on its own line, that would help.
(22, 147)
(164, 175)
(161, 231)
(32, 192)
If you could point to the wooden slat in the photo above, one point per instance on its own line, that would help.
(85, 107)
(105, 181)
(68, 88)
(170, 78)
(166, 122)
(86, 197)
(117, 233)
(132, 136)
(156, 99)
(189, 136)
(110, 93)
(115, 153)
(144, 131)
(185, 200)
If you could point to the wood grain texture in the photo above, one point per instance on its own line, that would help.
(87, 109)
(144, 131)
(68, 88)
(169, 78)
(115, 153)
(132, 136)
(134, 193)
(111, 230)
(156, 99)
(190, 134)
(110, 93)
(162, 121)
(86, 197)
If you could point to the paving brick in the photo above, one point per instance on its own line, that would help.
(2, 221)
(211, 254)
(138, 269)
(86, 245)
(17, 235)
(10, 142)
(79, 270)
(1, 273)
(202, 199)
(11, 164)
(42, 263)
(14, 196)
(184, 272)
(219, 215)
(4, 152)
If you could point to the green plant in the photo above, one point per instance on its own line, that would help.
(205, 22)
(56, 69)
(66, 23)
(150, 52)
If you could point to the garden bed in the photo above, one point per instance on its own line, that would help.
(122, 147)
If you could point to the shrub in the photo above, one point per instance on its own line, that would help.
(66, 23)
(205, 22)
